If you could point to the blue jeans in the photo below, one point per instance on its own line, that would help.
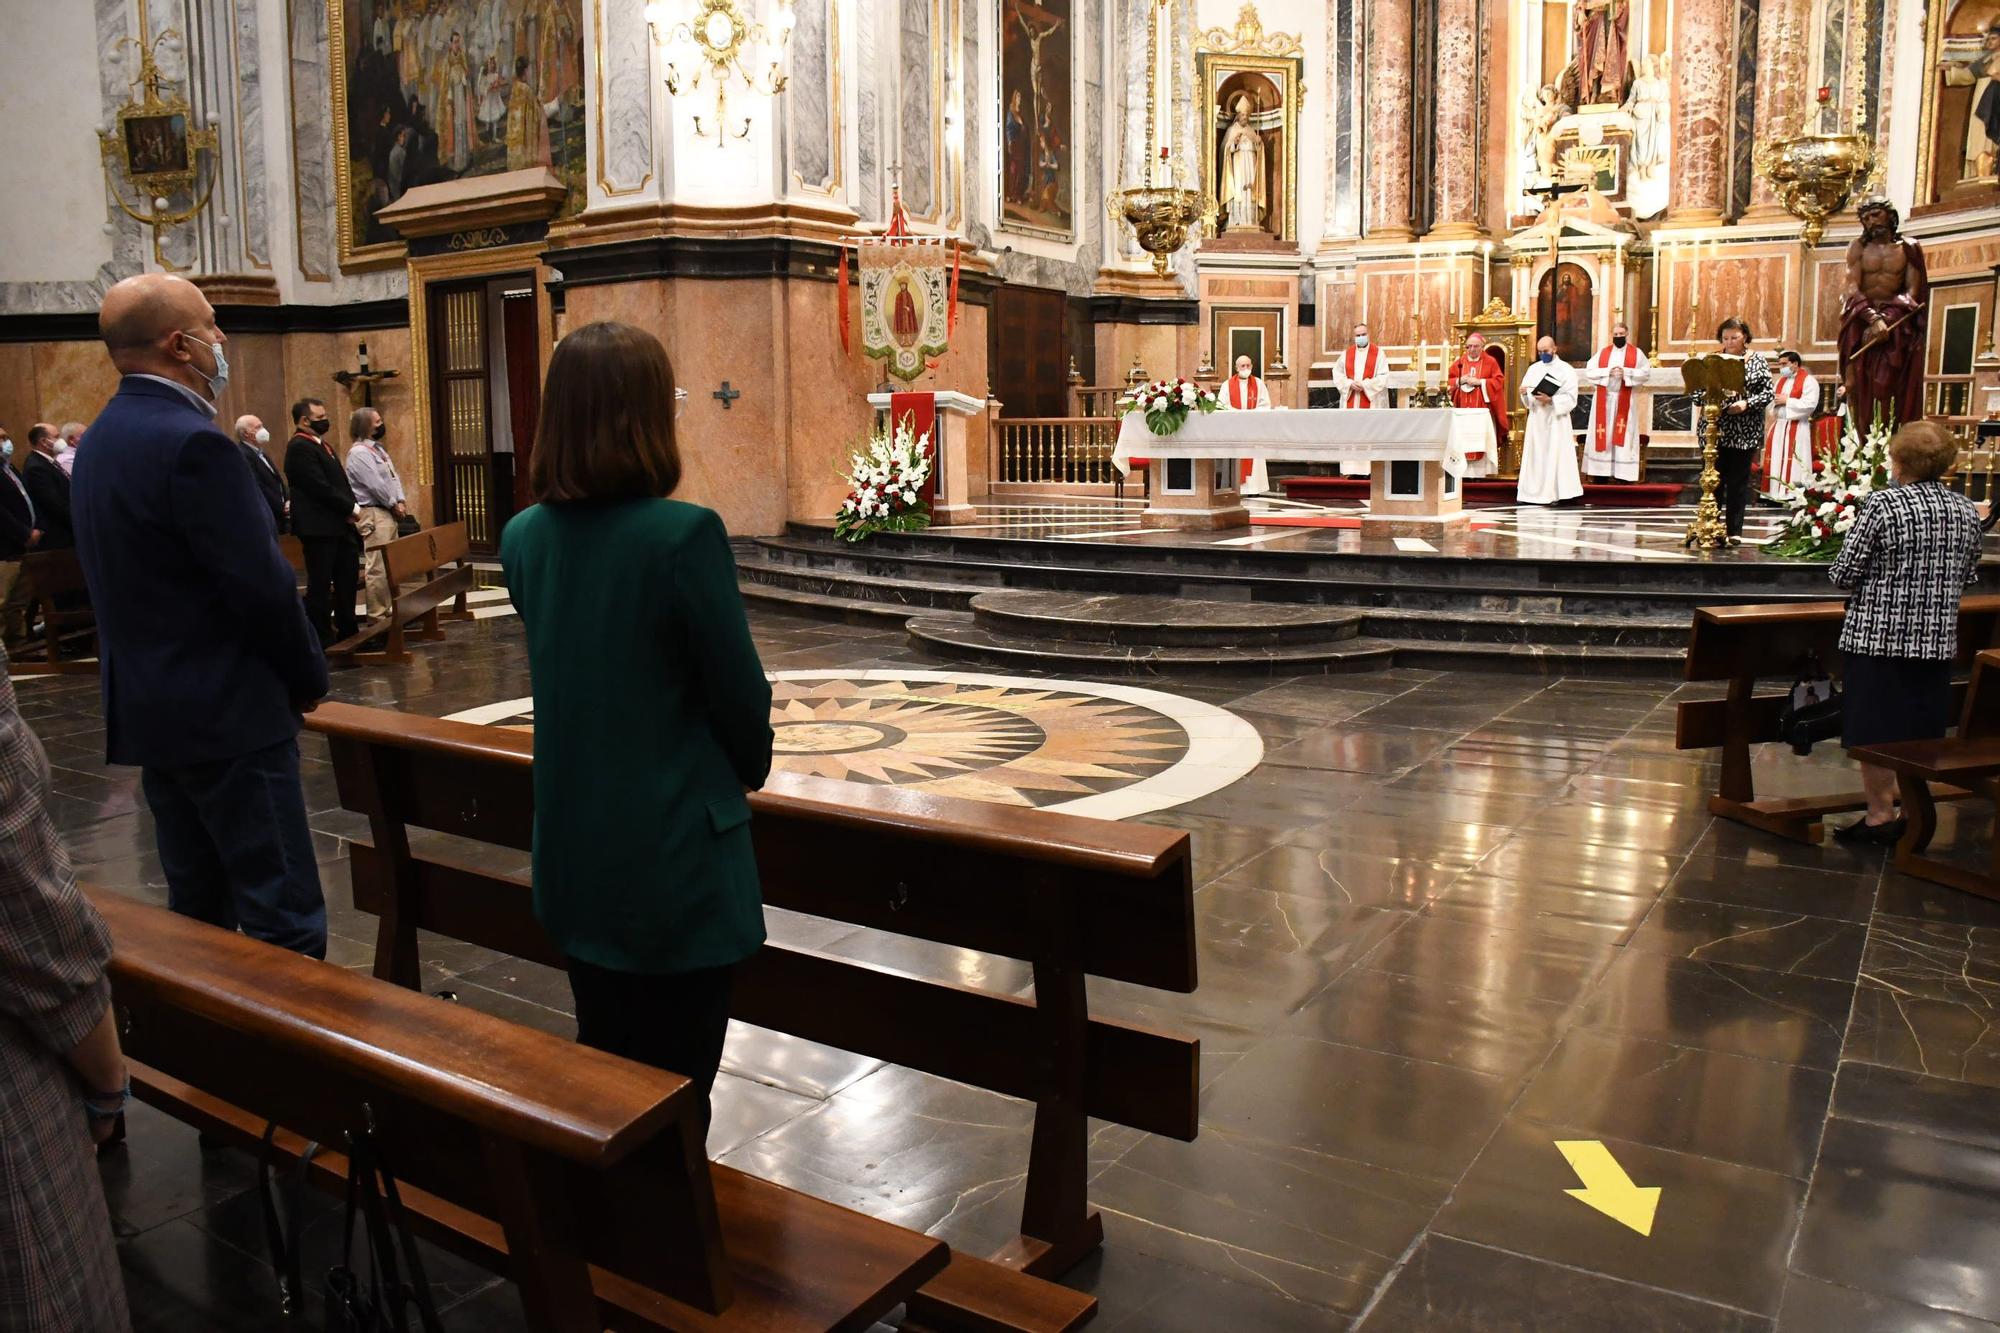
(234, 843)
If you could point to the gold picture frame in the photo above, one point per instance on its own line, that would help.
(1968, 193)
(1216, 68)
(157, 143)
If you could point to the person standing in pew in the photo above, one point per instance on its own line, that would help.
(207, 661)
(326, 521)
(652, 712)
(63, 1079)
(1913, 550)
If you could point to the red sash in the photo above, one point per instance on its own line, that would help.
(1237, 393)
(1624, 407)
(1779, 459)
(1357, 397)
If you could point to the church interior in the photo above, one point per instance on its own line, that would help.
(1299, 550)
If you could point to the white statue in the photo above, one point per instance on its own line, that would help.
(1649, 118)
(1243, 194)
(1541, 112)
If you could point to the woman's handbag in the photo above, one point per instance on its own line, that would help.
(407, 526)
(1814, 711)
(383, 1303)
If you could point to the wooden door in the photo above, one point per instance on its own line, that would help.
(461, 410)
(522, 335)
(1028, 356)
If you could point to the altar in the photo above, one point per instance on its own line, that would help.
(1416, 458)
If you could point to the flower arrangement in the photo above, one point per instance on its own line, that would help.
(1167, 403)
(885, 485)
(1823, 510)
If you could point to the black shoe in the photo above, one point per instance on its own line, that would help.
(1862, 831)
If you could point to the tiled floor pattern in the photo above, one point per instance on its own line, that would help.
(1448, 921)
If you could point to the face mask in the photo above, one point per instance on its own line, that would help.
(381, 432)
(263, 437)
(6, 448)
(220, 379)
(1545, 357)
(1242, 372)
(1618, 341)
(1360, 340)
(319, 425)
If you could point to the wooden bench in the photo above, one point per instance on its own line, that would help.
(55, 582)
(437, 561)
(1745, 644)
(1073, 897)
(577, 1174)
(1971, 759)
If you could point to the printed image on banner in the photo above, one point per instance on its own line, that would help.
(905, 304)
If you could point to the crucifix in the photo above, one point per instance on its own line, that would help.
(360, 385)
(727, 395)
(1555, 190)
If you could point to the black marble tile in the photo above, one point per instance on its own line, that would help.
(1928, 1000)
(181, 1279)
(1514, 1199)
(1513, 962)
(1590, 915)
(1813, 891)
(160, 1173)
(1446, 842)
(1334, 932)
(792, 1063)
(1490, 1032)
(1779, 942)
(1452, 1286)
(1720, 1007)
(1752, 1112)
(1351, 749)
(1583, 865)
(1407, 1116)
(1907, 1216)
(1342, 876)
(1821, 1307)
(1903, 896)
(1918, 1104)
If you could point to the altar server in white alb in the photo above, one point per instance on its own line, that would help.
(1548, 455)
(1788, 445)
(1617, 409)
(1361, 375)
(1245, 392)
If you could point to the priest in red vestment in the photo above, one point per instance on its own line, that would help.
(1477, 380)
(1358, 375)
(1245, 392)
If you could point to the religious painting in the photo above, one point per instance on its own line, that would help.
(426, 91)
(156, 145)
(1037, 44)
(1251, 88)
(1563, 311)
(905, 304)
(1962, 104)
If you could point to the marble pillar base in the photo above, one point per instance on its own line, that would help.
(1427, 526)
(1694, 217)
(1195, 520)
(945, 516)
(1456, 231)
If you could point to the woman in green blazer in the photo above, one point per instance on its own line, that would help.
(652, 713)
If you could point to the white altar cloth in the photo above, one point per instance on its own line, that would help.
(1316, 435)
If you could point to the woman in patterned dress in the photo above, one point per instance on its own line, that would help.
(1742, 434)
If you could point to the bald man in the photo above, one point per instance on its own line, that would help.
(207, 656)
(252, 438)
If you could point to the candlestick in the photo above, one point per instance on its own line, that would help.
(1485, 274)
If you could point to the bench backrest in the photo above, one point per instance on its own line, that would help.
(464, 1106)
(1981, 716)
(420, 553)
(56, 573)
(1096, 898)
(1770, 640)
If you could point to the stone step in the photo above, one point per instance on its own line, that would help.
(849, 610)
(1146, 622)
(911, 594)
(968, 640)
(1519, 627)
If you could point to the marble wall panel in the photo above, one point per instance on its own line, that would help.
(1386, 179)
(1701, 108)
(253, 211)
(808, 108)
(1829, 284)
(625, 156)
(1743, 108)
(1756, 287)
(73, 381)
(916, 108)
(869, 36)
(312, 142)
(1455, 140)
(19, 406)
(1783, 88)
(1343, 206)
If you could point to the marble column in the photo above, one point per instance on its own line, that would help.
(1784, 76)
(1387, 186)
(1700, 59)
(1458, 154)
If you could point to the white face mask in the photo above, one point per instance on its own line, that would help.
(1243, 372)
(1360, 340)
(263, 437)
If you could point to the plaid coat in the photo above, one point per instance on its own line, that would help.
(58, 1269)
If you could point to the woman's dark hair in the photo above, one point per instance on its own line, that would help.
(607, 423)
(1734, 322)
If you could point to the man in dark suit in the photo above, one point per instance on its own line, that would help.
(324, 516)
(251, 437)
(207, 657)
(48, 487)
(18, 536)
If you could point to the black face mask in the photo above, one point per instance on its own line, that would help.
(1618, 342)
(319, 426)
(381, 432)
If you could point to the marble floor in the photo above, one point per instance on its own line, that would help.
(1446, 923)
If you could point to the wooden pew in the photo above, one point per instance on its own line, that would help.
(1074, 897)
(55, 581)
(1745, 644)
(438, 562)
(1971, 759)
(577, 1174)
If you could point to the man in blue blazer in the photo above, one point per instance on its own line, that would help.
(207, 657)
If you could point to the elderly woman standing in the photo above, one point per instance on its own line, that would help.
(1913, 550)
(1742, 434)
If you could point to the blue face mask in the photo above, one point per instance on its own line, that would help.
(6, 448)
(1545, 357)
(220, 379)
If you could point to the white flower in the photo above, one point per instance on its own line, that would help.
(1187, 394)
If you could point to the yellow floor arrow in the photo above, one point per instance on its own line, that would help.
(1607, 1188)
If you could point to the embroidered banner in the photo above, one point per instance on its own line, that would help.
(906, 301)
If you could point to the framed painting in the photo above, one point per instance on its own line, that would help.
(437, 90)
(1037, 164)
(1959, 131)
(156, 145)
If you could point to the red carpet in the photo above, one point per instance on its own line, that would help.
(1647, 495)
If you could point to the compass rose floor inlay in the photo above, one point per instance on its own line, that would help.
(1106, 750)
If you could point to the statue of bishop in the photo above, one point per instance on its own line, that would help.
(1243, 193)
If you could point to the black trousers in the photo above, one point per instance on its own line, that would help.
(1734, 466)
(333, 572)
(676, 1021)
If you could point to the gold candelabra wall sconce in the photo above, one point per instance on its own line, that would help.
(727, 42)
(1163, 211)
(156, 145)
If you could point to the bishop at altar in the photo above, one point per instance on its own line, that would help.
(1245, 392)
(1359, 375)
(1617, 410)
(1478, 381)
(1788, 445)
(1548, 453)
